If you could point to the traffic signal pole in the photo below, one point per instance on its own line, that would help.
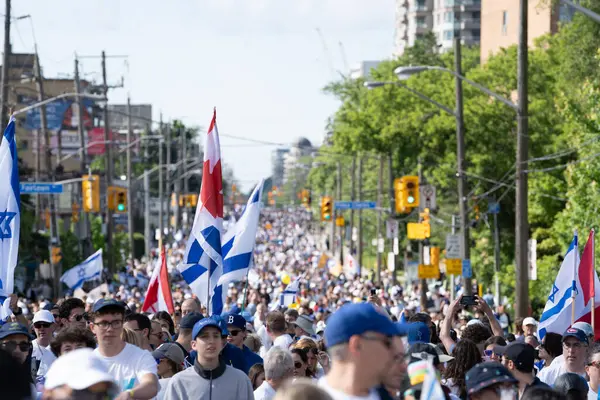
(107, 173)
(129, 181)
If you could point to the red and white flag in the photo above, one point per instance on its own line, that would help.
(158, 296)
(590, 285)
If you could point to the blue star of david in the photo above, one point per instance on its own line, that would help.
(81, 272)
(554, 291)
(5, 220)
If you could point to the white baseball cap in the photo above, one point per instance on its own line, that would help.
(584, 326)
(43, 316)
(529, 321)
(79, 369)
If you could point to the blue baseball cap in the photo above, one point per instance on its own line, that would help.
(576, 333)
(203, 323)
(418, 332)
(356, 319)
(103, 303)
(236, 320)
(247, 316)
(14, 328)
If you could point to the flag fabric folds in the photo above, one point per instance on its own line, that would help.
(202, 264)
(88, 270)
(10, 210)
(288, 296)
(589, 297)
(158, 296)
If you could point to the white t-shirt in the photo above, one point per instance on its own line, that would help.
(264, 392)
(44, 356)
(592, 395)
(337, 395)
(162, 388)
(549, 375)
(283, 341)
(129, 366)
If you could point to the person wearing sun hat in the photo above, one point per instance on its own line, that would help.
(490, 381)
(210, 376)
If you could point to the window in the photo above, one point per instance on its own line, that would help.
(448, 35)
(504, 22)
(421, 22)
(439, 18)
(476, 15)
(448, 16)
(421, 5)
(449, 3)
(476, 33)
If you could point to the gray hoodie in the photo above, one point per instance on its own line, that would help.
(221, 383)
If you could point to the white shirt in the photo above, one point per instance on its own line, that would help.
(550, 374)
(162, 387)
(283, 341)
(592, 395)
(129, 366)
(264, 392)
(337, 395)
(45, 357)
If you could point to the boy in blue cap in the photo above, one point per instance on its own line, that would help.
(236, 326)
(210, 377)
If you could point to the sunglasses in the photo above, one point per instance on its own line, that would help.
(234, 333)
(78, 317)
(23, 346)
(488, 353)
(158, 360)
(298, 365)
(40, 325)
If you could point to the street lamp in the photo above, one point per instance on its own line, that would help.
(583, 10)
(372, 85)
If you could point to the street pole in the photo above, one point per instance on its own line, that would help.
(186, 188)
(168, 177)
(85, 223)
(360, 217)
(161, 196)
(54, 233)
(423, 293)
(352, 198)
(107, 173)
(460, 155)
(452, 288)
(392, 212)
(379, 205)
(147, 233)
(5, 68)
(129, 181)
(496, 260)
(338, 213)
(178, 188)
(521, 215)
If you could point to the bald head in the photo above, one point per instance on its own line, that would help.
(189, 305)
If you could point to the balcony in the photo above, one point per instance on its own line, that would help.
(470, 23)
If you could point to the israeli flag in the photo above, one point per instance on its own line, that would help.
(558, 310)
(88, 270)
(288, 296)
(10, 213)
(238, 247)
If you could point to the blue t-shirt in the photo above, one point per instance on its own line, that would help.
(251, 357)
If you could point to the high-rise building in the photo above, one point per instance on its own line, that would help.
(416, 18)
(277, 164)
(500, 23)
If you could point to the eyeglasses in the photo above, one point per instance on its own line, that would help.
(298, 365)
(235, 332)
(11, 345)
(115, 324)
(40, 325)
(77, 317)
(385, 341)
(594, 364)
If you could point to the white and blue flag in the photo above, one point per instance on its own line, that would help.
(557, 315)
(238, 247)
(288, 296)
(10, 214)
(88, 270)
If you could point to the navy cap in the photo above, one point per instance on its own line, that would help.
(190, 320)
(576, 333)
(520, 353)
(103, 303)
(14, 328)
(356, 319)
(236, 320)
(203, 323)
(486, 374)
(418, 332)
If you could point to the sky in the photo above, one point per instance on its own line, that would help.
(261, 63)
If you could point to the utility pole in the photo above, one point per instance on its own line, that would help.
(423, 294)
(352, 198)
(5, 68)
(521, 215)
(85, 223)
(178, 188)
(168, 176)
(393, 240)
(161, 199)
(460, 155)
(338, 213)
(186, 189)
(379, 216)
(147, 233)
(360, 217)
(452, 288)
(54, 233)
(107, 172)
(496, 260)
(130, 180)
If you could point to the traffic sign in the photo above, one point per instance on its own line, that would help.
(418, 231)
(452, 246)
(391, 228)
(428, 272)
(427, 194)
(354, 205)
(493, 208)
(41, 188)
(453, 266)
(467, 271)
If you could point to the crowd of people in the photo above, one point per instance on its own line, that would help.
(343, 337)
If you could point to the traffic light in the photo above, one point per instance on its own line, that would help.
(326, 208)
(306, 198)
(75, 212)
(90, 185)
(117, 199)
(56, 255)
(121, 201)
(406, 193)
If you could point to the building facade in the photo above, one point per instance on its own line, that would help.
(302, 147)
(277, 159)
(445, 18)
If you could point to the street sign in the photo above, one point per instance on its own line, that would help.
(354, 205)
(428, 272)
(532, 258)
(453, 266)
(418, 231)
(391, 228)
(427, 196)
(467, 271)
(493, 208)
(41, 188)
(452, 246)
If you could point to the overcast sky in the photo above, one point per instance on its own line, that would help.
(262, 63)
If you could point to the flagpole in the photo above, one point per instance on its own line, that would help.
(573, 286)
(594, 282)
